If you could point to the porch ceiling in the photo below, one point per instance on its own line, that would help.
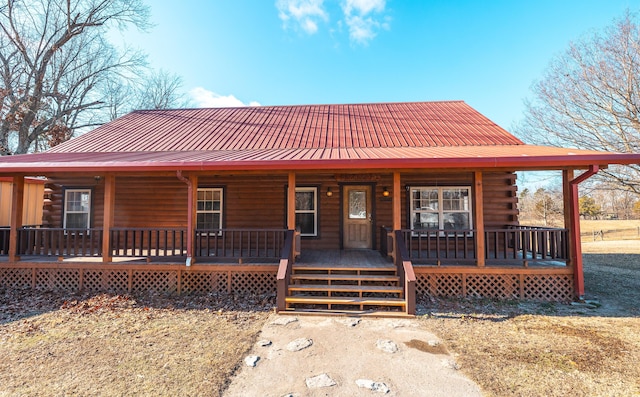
(513, 157)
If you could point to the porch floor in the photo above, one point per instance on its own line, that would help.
(343, 258)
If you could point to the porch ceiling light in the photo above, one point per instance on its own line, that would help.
(385, 192)
(329, 192)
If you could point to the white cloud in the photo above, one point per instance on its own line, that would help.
(361, 21)
(363, 7)
(204, 98)
(305, 13)
(363, 18)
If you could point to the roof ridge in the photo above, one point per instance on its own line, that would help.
(300, 105)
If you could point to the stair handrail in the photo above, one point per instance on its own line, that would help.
(405, 271)
(284, 271)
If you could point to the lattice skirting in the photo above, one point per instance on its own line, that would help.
(139, 280)
(557, 287)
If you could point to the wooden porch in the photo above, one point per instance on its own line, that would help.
(518, 263)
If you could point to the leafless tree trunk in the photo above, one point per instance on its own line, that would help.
(55, 66)
(589, 98)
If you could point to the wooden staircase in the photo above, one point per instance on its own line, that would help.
(346, 290)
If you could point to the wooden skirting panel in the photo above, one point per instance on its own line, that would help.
(260, 279)
(543, 285)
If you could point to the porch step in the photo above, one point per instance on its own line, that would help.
(346, 301)
(345, 289)
(344, 277)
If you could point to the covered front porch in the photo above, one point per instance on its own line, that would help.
(173, 253)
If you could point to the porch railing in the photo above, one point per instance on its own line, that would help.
(440, 245)
(285, 266)
(406, 272)
(240, 243)
(59, 242)
(519, 244)
(527, 244)
(5, 232)
(148, 242)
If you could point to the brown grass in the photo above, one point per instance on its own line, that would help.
(549, 349)
(117, 345)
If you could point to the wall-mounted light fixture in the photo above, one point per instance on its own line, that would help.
(329, 192)
(385, 192)
(97, 178)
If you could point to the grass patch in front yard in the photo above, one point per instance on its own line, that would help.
(113, 345)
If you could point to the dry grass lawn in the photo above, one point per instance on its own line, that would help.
(112, 345)
(548, 349)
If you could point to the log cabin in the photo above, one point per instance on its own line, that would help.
(345, 208)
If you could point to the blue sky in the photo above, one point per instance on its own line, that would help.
(283, 52)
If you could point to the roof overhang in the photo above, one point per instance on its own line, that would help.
(512, 157)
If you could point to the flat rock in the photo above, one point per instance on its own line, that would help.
(373, 386)
(264, 343)
(299, 344)
(322, 380)
(450, 364)
(251, 361)
(284, 320)
(387, 345)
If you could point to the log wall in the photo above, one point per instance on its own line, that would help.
(259, 201)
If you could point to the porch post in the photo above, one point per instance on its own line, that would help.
(108, 216)
(567, 176)
(574, 214)
(17, 209)
(192, 221)
(291, 209)
(397, 205)
(479, 218)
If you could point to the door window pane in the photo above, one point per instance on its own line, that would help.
(357, 204)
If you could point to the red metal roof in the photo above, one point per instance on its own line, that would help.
(417, 124)
(514, 157)
(314, 137)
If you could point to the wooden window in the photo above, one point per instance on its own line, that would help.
(77, 208)
(441, 208)
(209, 209)
(307, 211)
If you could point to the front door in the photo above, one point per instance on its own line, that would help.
(357, 217)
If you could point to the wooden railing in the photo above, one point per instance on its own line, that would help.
(514, 244)
(440, 245)
(386, 241)
(240, 243)
(59, 242)
(527, 244)
(5, 232)
(284, 270)
(405, 271)
(148, 242)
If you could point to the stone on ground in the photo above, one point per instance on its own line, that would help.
(387, 345)
(251, 361)
(373, 386)
(299, 344)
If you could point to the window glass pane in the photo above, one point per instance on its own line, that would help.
(305, 200)
(305, 222)
(77, 220)
(456, 220)
(425, 220)
(208, 221)
(357, 204)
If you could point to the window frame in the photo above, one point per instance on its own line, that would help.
(220, 211)
(315, 211)
(66, 212)
(440, 211)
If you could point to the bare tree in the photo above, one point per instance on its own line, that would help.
(56, 66)
(160, 90)
(589, 98)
